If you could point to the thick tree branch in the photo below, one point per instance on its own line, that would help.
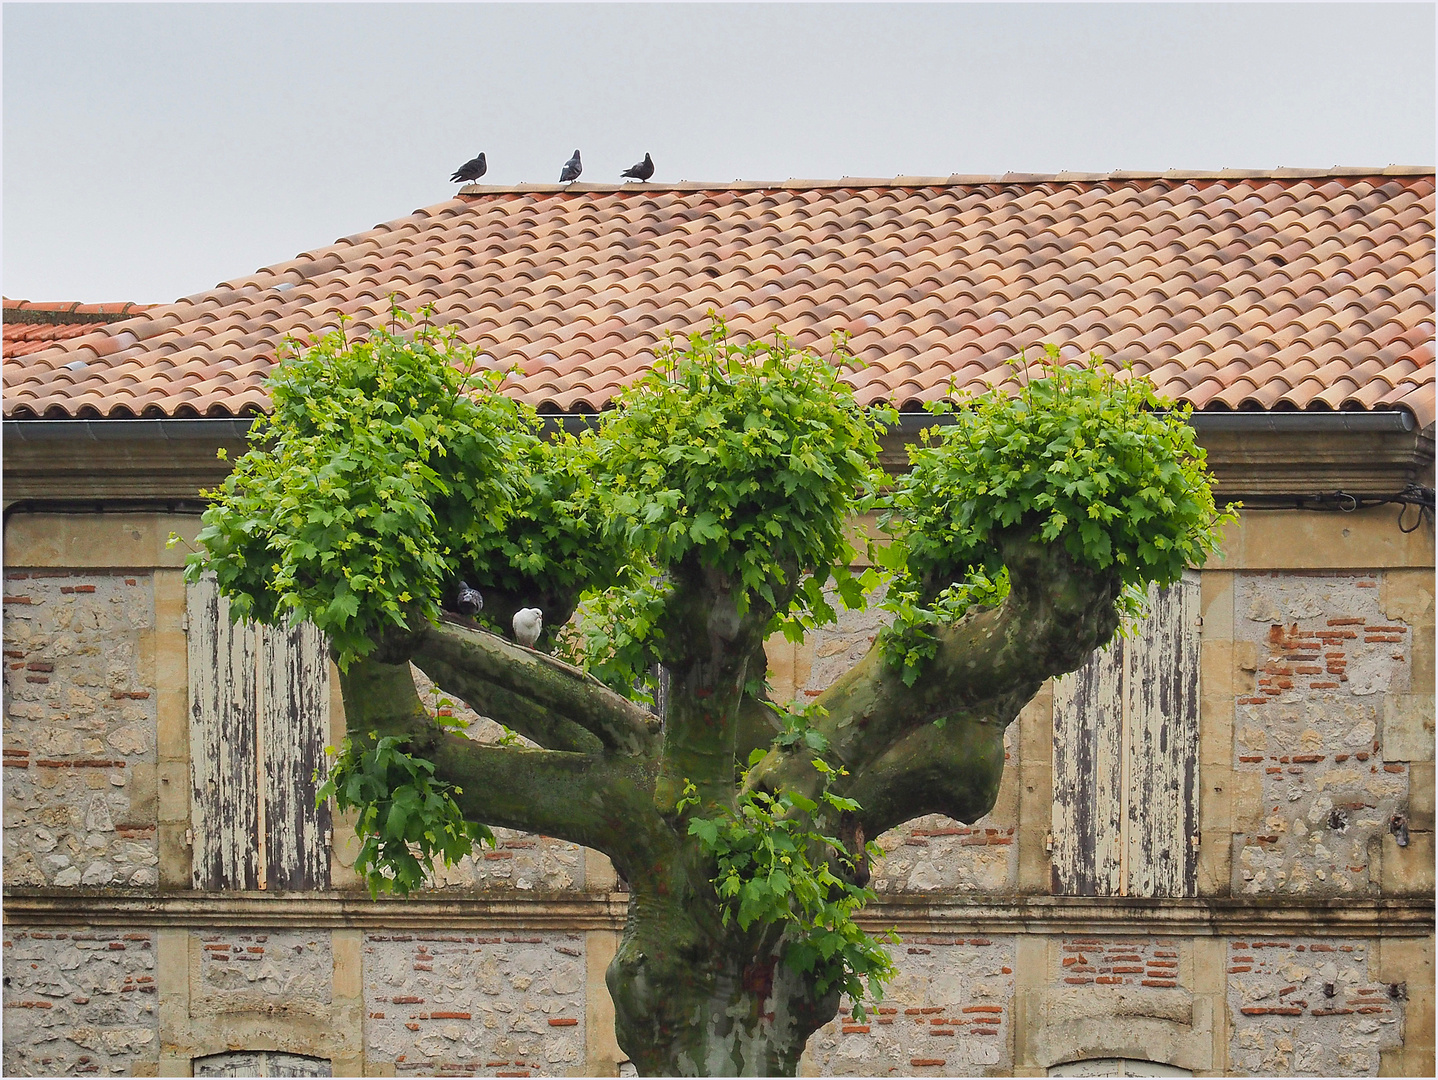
(601, 800)
(484, 664)
(988, 666)
(535, 722)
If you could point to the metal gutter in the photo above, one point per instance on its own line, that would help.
(210, 428)
(1288, 422)
(168, 430)
(1295, 421)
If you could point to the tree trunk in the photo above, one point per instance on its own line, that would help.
(689, 1002)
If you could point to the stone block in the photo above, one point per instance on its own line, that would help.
(1420, 796)
(599, 874)
(779, 651)
(172, 956)
(1302, 540)
(1408, 723)
(1215, 730)
(1215, 851)
(176, 862)
(344, 849)
(1036, 801)
(173, 790)
(1407, 596)
(1006, 802)
(1401, 1061)
(1216, 667)
(1418, 1028)
(1407, 871)
(1421, 670)
(1036, 727)
(1216, 600)
(348, 951)
(1245, 667)
(601, 1050)
(1408, 960)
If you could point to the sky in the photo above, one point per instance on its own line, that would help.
(151, 151)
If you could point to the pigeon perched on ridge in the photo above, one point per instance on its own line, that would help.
(468, 601)
(527, 624)
(572, 169)
(470, 171)
(643, 171)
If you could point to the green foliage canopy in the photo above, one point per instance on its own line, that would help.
(1084, 457)
(388, 467)
(753, 456)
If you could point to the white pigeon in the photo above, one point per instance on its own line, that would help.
(527, 624)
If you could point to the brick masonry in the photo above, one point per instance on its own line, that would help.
(948, 1012)
(1126, 962)
(464, 1005)
(79, 1002)
(1309, 1008)
(79, 730)
(1326, 658)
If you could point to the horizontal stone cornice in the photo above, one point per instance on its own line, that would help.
(911, 915)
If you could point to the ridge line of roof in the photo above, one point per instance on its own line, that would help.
(1335, 172)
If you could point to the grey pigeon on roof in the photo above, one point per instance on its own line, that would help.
(470, 171)
(572, 169)
(643, 171)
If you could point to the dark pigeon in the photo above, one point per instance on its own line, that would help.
(462, 598)
(643, 171)
(468, 600)
(470, 171)
(572, 169)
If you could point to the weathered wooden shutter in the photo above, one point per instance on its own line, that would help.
(259, 712)
(1125, 819)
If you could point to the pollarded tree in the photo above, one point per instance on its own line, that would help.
(707, 512)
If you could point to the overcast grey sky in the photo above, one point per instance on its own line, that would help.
(151, 151)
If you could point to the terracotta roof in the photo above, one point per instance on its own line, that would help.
(30, 327)
(1232, 290)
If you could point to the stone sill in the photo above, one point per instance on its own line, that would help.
(941, 914)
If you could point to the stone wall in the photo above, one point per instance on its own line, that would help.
(501, 1004)
(256, 971)
(947, 1012)
(1309, 1008)
(80, 1002)
(79, 730)
(1327, 660)
(85, 670)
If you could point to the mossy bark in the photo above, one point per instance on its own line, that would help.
(692, 995)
